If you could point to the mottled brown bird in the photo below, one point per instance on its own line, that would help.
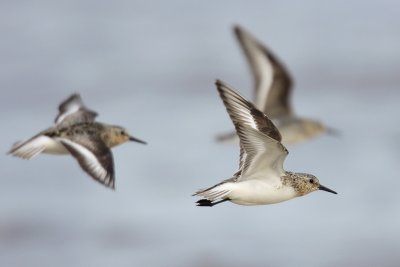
(77, 133)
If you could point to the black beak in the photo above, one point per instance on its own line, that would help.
(333, 132)
(134, 139)
(321, 187)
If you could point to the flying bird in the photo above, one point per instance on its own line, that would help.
(76, 132)
(261, 178)
(272, 92)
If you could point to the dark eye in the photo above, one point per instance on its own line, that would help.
(312, 181)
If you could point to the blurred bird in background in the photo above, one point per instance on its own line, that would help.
(272, 89)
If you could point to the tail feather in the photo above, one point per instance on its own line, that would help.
(208, 203)
(30, 148)
(204, 203)
(215, 194)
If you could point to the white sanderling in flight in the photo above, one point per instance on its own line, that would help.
(272, 90)
(261, 178)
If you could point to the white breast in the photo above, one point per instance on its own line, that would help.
(259, 192)
(54, 147)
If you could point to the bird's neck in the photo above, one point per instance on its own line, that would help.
(110, 138)
(292, 179)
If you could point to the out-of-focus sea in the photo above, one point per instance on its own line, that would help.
(150, 66)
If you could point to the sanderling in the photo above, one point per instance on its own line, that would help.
(75, 132)
(261, 178)
(273, 86)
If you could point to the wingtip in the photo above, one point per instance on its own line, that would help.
(220, 85)
(237, 29)
(219, 82)
(111, 186)
(10, 153)
(75, 94)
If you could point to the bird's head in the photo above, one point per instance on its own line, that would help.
(314, 127)
(117, 135)
(305, 183)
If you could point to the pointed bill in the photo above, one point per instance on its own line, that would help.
(323, 188)
(333, 132)
(134, 139)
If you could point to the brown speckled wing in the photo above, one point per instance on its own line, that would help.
(93, 156)
(272, 81)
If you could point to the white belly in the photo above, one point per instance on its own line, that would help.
(258, 192)
(35, 146)
(54, 147)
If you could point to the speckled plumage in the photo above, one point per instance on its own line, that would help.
(302, 183)
(77, 133)
(109, 134)
(260, 178)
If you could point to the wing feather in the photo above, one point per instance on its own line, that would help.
(261, 149)
(272, 81)
(73, 110)
(94, 157)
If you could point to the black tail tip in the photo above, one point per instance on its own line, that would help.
(204, 203)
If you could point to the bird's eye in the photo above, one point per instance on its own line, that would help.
(312, 181)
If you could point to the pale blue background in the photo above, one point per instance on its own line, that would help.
(150, 66)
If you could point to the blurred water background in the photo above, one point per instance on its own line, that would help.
(150, 66)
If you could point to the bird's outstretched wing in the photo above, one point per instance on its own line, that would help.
(73, 111)
(261, 150)
(272, 81)
(93, 156)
